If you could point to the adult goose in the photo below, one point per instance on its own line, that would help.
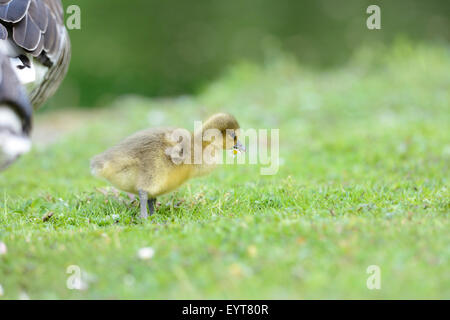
(34, 58)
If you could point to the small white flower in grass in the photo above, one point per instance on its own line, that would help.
(1, 291)
(146, 253)
(24, 296)
(3, 249)
(235, 152)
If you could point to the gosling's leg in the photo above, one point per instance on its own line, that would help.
(143, 197)
(151, 205)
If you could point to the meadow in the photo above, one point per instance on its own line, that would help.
(363, 180)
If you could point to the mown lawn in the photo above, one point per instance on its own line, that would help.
(363, 181)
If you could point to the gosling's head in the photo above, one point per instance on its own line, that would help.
(228, 127)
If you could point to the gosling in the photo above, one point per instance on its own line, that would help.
(156, 161)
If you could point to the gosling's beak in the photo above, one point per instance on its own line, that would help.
(15, 115)
(239, 147)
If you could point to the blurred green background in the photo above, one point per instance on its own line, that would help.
(172, 47)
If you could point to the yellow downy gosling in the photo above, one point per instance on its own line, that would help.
(156, 161)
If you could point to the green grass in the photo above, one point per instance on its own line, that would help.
(364, 181)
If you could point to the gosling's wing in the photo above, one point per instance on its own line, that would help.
(37, 26)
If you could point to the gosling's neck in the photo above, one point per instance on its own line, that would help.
(204, 167)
